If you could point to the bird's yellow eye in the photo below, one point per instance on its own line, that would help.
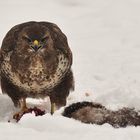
(36, 43)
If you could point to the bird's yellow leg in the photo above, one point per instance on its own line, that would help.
(23, 109)
(53, 108)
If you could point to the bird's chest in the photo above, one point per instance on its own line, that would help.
(36, 76)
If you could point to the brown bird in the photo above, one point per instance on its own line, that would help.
(35, 61)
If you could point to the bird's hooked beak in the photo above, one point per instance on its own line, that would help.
(36, 45)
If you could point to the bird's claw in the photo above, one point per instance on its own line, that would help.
(17, 116)
(36, 111)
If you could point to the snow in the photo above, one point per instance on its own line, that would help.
(104, 38)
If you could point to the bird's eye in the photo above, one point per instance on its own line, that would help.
(44, 39)
(27, 39)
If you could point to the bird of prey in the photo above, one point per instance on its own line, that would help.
(35, 61)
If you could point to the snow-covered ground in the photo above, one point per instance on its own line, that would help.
(104, 36)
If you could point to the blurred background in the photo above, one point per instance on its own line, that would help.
(104, 36)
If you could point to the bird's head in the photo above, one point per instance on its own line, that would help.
(35, 39)
(32, 38)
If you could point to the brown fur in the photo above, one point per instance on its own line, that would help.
(89, 112)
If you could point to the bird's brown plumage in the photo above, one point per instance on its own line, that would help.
(27, 70)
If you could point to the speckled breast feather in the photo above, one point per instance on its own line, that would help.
(33, 85)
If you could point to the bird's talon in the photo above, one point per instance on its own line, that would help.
(18, 115)
(36, 111)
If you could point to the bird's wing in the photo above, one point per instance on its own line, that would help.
(59, 38)
(9, 40)
(8, 44)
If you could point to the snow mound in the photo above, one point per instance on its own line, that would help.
(104, 38)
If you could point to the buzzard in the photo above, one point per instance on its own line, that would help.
(35, 61)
